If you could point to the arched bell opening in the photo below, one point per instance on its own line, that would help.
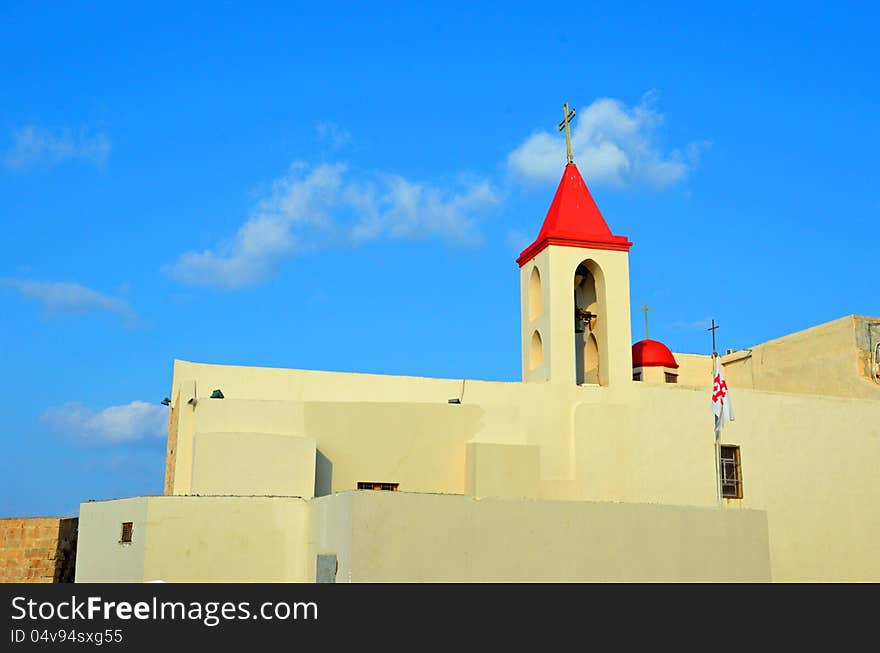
(587, 323)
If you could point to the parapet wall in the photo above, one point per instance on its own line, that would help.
(377, 536)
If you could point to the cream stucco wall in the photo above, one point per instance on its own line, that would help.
(419, 445)
(394, 536)
(694, 369)
(397, 536)
(195, 539)
(503, 470)
(253, 463)
(100, 557)
(808, 461)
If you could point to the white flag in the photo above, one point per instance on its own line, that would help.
(721, 405)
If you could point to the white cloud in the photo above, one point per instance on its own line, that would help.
(126, 423)
(410, 210)
(333, 134)
(313, 207)
(613, 145)
(34, 145)
(67, 298)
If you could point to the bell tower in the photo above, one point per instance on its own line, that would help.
(574, 293)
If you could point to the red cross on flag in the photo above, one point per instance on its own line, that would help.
(721, 405)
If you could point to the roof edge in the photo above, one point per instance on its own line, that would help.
(618, 244)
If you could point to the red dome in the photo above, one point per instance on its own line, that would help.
(650, 353)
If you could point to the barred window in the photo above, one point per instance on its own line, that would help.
(731, 473)
(125, 535)
(391, 487)
(671, 378)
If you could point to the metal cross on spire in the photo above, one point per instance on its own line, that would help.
(566, 125)
(712, 329)
(645, 310)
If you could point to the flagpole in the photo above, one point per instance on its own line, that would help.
(718, 422)
(717, 442)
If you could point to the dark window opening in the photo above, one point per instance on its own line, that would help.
(671, 378)
(125, 536)
(637, 376)
(390, 487)
(731, 473)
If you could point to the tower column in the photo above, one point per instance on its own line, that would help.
(611, 325)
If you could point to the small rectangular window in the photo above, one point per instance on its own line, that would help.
(731, 473)
(637, 376)
(125, 536)
(390, 487)
(671, 378)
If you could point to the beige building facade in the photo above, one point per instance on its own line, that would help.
(577, 473)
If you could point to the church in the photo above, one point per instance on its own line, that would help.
(601, 465)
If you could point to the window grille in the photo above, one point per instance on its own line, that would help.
(390, 487)
(731, 473)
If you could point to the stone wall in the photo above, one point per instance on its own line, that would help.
(171, 448)
(38, 549)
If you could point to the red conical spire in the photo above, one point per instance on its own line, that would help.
(574, 220)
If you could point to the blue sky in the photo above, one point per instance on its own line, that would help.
(230, 185)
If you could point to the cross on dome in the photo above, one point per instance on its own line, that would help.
(645, 310)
